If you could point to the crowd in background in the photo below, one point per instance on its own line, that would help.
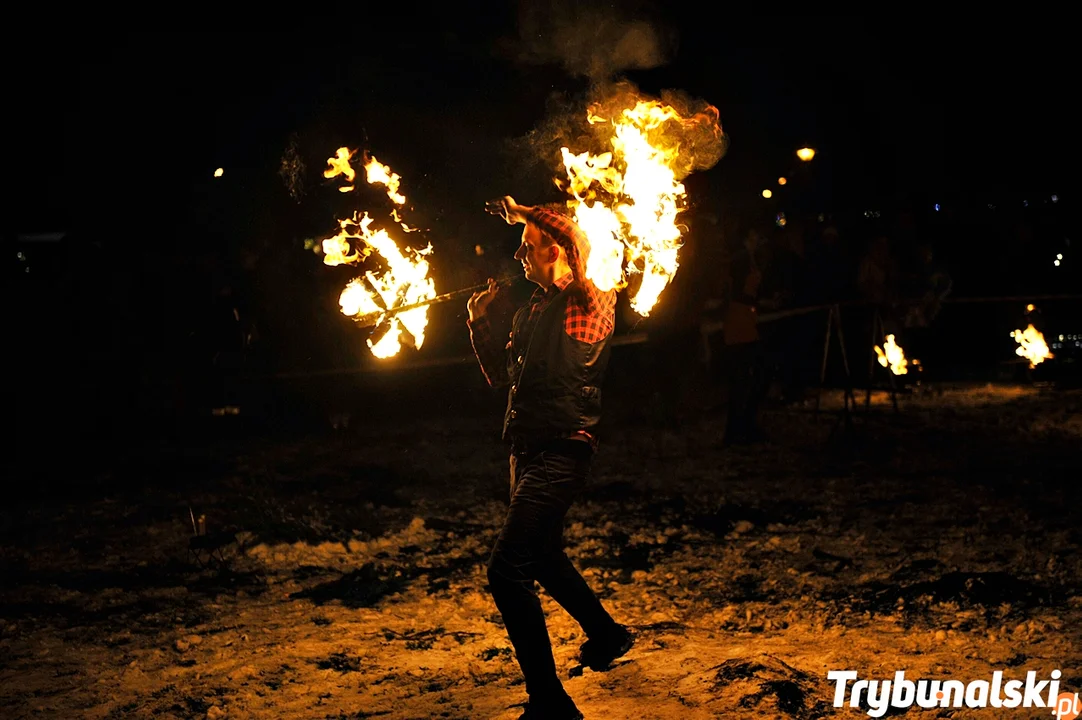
(738, 271)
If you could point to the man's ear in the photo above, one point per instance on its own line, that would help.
(554, 252)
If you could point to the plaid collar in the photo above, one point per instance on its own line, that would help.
(555, 289)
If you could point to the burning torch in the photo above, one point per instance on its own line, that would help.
(372, 319)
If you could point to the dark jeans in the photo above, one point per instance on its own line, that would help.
(530, 548)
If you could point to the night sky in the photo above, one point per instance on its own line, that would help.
(117, 135)
(893, 105)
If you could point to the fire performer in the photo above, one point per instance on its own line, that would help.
(554, 364)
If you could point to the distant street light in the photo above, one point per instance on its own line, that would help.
(805, 154)
(782, 181)
(219, 172)
(767, 194)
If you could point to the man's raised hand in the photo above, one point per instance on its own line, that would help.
(507, 208)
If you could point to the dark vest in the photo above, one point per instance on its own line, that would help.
(555, 379)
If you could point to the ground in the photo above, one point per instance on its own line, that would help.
(941, 540)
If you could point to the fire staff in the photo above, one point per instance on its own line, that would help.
(553, 365)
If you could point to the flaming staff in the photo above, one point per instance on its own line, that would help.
(374, 318)
(396, 299)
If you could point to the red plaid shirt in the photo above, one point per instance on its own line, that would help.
(590, 316)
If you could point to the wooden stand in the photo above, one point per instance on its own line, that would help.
(834, 327)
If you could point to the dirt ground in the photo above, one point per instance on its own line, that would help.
(349, 583)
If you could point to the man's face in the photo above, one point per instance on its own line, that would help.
(534, 256)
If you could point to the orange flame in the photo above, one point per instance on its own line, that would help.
(404, 281)
(1031, 346)
(892, 356)
(339, 165)
(378, 173)
(627, 200)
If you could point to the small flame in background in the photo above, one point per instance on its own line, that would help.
(404, 280)
(627, 199)
(891, 355)
(1031, 346)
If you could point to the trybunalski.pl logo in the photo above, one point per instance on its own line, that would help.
(881, 695)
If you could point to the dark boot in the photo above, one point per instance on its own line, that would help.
(598, 653)
(551, 708)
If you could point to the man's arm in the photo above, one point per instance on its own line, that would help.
(491, 354)
(576, 247)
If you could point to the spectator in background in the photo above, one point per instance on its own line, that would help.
(229, 336)
(828, 277)
(878, 285)
(877, 277)
(793, 339)
(675, 330)
(744, 361)
(929, 287)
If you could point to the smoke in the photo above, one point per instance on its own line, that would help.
(591, 42)
(703, 141)
(699, 135)
(291, 169)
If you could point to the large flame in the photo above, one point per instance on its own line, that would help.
(627, 199)
(1031, 346)
(891, 355)
(403, 281)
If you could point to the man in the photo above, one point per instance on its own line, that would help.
(554, 364)
(745, 369)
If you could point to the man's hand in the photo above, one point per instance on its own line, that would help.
(479, 302)
(508, 209)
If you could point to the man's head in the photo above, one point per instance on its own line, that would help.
(543, 260)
